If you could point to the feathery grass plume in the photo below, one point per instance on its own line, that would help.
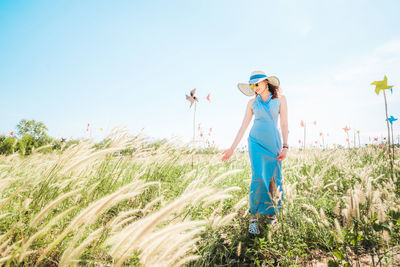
(151, 245)
(42, 232)
(215, 198)
(239, 249)
(4, 183)
(386, 236)
(46, 209)
(336, 209)
(91, 213)
(4, 203)
(177, 254)
(243, 201)
(310, 208)
(381, 213)
(308, 219)
(151, 204)
(74, 253)
(173, 249)
(222, 176)
(323, 217)
(4, 244)
(121, 219)
(227, 219)
(187, 260)
(124, 242)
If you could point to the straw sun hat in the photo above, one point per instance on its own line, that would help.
(256, 77)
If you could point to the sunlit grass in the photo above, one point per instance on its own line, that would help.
(85, 205)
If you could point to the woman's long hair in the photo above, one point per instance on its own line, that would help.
(274, 90)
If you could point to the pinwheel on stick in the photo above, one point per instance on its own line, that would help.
(322, 136)
(193, 99)
(391, 119)
(346, 129)
(302, 124)
(382, 85)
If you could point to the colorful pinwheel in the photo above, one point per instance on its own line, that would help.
(302, 124)
(392, 119)
(346, 129)
(208, 98)
(192, 98)
(382, 85)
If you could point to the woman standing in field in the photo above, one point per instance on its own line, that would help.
(264, 144)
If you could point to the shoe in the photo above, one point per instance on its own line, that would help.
(253, 227)
(272, 219)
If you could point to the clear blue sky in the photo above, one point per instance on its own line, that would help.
(109, 63)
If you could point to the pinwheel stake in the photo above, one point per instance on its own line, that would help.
(303, 124)
(346, 129)
(193, 99)
(391, 120)
(382, 85)
(359, 144)
(322, 135)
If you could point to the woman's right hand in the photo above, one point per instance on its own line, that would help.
(227, 154)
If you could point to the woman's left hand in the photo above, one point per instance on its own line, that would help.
(282, 155)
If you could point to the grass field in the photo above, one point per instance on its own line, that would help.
(148, 207)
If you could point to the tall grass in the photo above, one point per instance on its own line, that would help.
(87, 206)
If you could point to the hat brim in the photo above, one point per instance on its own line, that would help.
(257, 80)
(245, 89)
(274, 80)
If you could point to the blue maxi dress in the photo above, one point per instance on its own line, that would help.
(264, 145)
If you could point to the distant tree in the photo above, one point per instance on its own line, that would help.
(37, 129)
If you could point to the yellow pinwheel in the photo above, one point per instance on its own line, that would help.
(381, 85)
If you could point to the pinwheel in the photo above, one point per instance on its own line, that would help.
(375, 138)
(382, 85)
(101, 129)
(12, 133)
(87, 128)
(299, 141)
(346, 129)
(302, 124)
(208, 98)
(193, 99)
(315, 123)
(322, 136)
(391, 119)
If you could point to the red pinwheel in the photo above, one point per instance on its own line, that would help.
(12, 133)
(375, 138)
(208, 98)
(302, 123)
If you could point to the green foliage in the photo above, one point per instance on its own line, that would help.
(7, 145)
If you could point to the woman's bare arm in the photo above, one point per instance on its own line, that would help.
(284, 119)
(246, 120)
